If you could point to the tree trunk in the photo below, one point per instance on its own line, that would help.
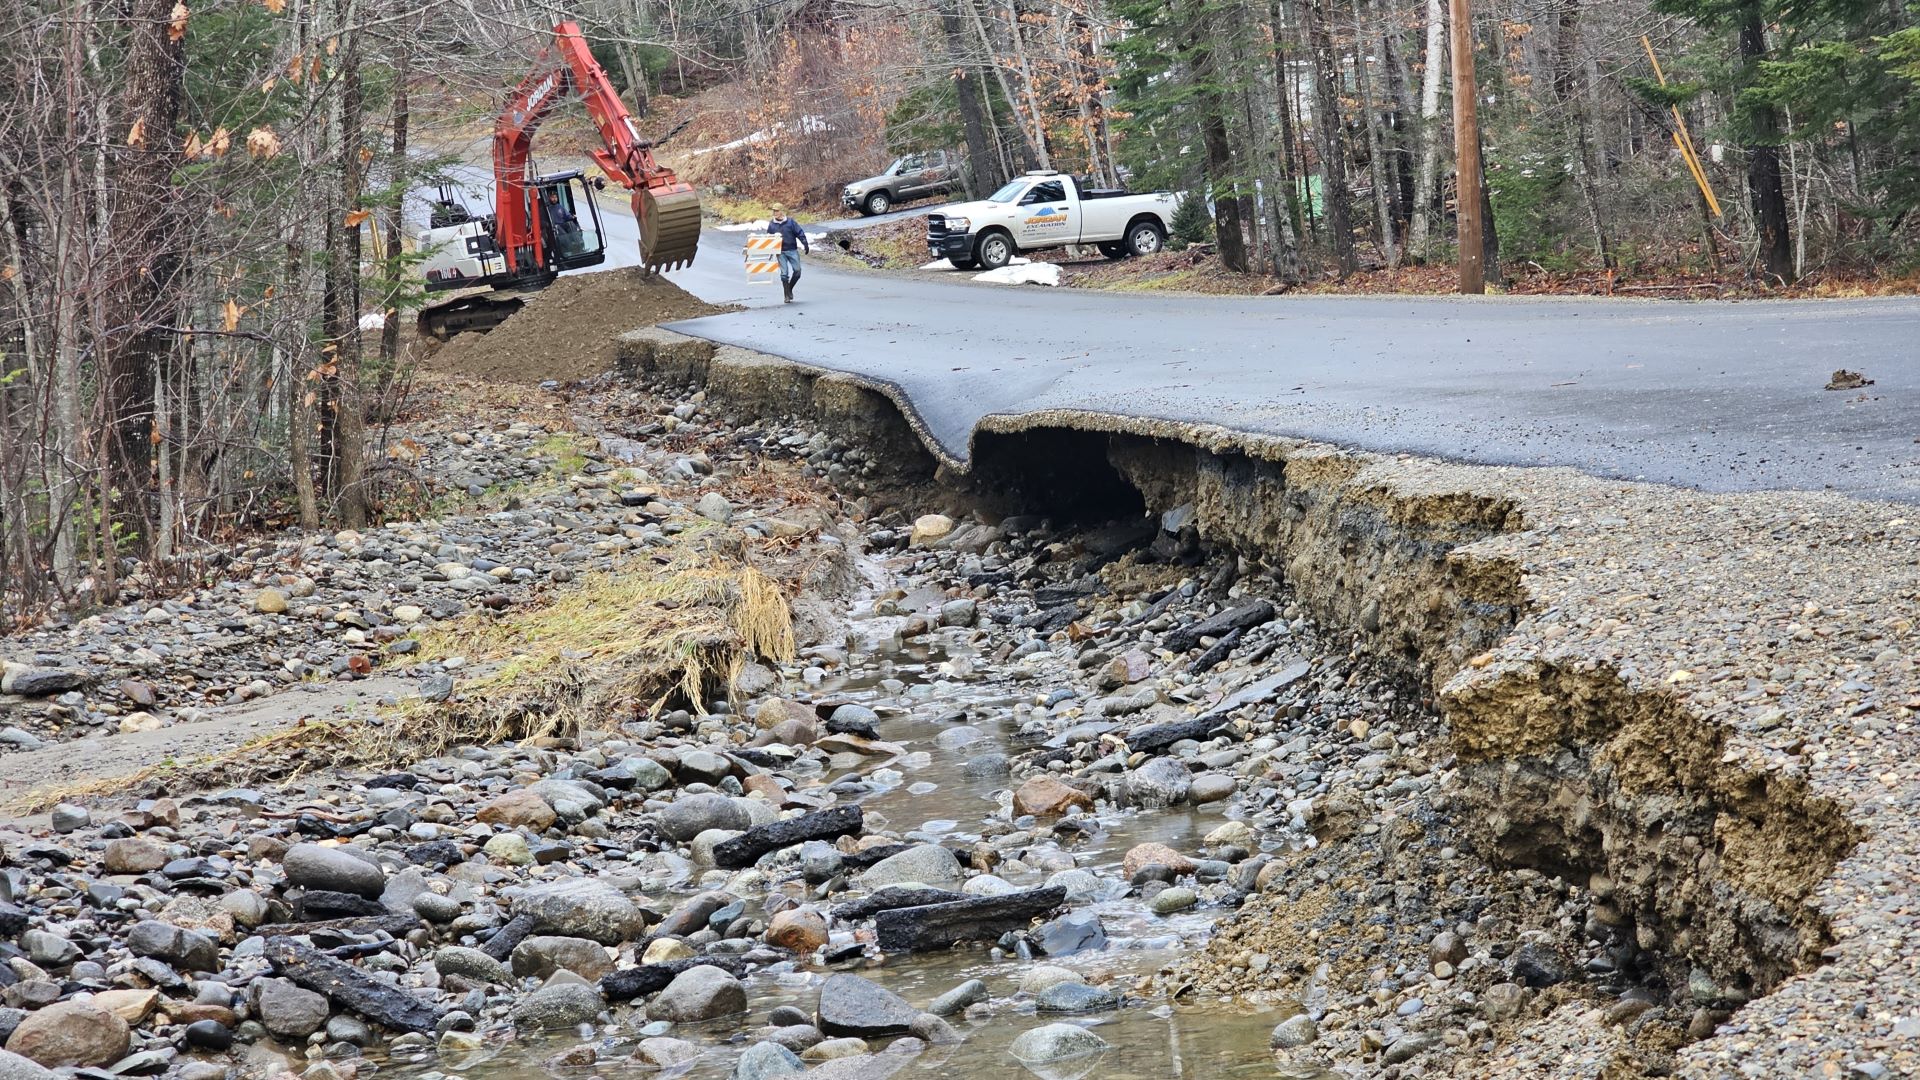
(1334, 193)
(1572, 105)
(1763, 164)
(1283, 101)
(1028, 151)
(1376, 153)
(1489, 229)
(147, 250)
(1420, 229)
(395, 210)
(1019, 38)
(984, 160)
(347, 444)
(1221, 180)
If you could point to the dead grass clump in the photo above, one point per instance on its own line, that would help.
(616, 644)
(627, 643)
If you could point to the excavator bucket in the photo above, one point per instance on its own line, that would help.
(669, 218)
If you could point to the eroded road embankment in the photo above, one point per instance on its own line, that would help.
(1695, 707)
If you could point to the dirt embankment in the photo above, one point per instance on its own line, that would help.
(566, 331)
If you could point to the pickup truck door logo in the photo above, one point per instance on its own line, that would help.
(1044, 221)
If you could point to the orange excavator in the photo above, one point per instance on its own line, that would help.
(542, 225)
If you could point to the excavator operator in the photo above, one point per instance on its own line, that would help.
(565, 226)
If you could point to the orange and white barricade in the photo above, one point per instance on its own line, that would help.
(763, 259)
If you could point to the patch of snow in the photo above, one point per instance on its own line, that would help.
(808, 125)
(1022, 272)
(373, 320)
(940, 264)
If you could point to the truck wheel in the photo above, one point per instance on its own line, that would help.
(1145, 238)
(878, 203)
(1113, 249)
(994, 251)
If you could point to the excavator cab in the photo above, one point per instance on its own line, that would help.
(570, 220)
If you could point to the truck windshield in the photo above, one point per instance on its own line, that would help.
(1010, 193)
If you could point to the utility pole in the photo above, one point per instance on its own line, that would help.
(1466, 151)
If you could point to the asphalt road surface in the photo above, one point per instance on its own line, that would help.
(1716, 395)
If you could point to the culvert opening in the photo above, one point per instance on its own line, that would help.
(1060, 473)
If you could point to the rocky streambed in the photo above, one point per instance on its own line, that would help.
(1036, 792)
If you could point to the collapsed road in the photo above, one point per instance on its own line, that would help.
(1720, 396)
(1693, 710)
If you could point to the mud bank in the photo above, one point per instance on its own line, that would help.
(1696, 708)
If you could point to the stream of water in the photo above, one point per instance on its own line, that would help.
(918, 688)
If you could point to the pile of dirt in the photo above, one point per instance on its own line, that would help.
(567, 330)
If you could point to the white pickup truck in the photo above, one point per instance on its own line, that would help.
(1048, 209)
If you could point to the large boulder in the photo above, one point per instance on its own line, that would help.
(1159, 783)
(799, 929)
(73, 1033)
(574, 800)
(40, 682)
(518, 809)
(134, 855)
(557, 1007)
(1046, 796)
(851, 1005)
(927, 864)
(690, 815)
(766, 1060)
(334, 869)
(470, 964)
(582, 907)
(186, 949)
(1055, 1042)
(699, 993)
(539, 957)
(288, 1011)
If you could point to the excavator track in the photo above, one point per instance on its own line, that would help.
(476, 312)
(669, 221)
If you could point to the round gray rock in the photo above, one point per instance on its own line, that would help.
(928, 864)
(765, 1060)
(288, 1011)
(1161, 782)
(336, 869)
(556, 1007)
(1075, 997)
(1294, 1032)
(699, 993)
(1055, 1042)
(470, 964)
(582, 907)
(690, 815)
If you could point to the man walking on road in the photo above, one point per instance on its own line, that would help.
(793, 239)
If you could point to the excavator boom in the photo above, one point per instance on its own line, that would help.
(667, 208)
